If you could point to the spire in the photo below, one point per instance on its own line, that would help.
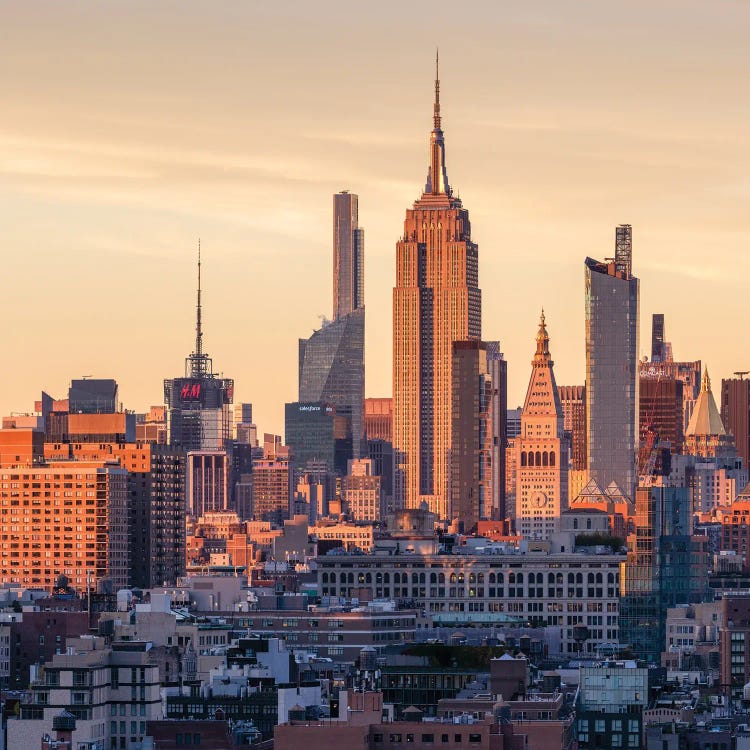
(542, 341)
(198, 325)
(436, 106)
(705, 419)
(437, 177)
(198, 364)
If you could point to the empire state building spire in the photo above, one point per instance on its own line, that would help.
(437, 177)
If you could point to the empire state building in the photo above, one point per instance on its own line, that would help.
(436, 302)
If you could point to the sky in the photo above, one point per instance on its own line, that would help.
(131, 129)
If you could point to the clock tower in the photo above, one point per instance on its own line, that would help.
(541, 450)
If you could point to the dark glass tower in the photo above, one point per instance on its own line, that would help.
(612, 366)
(332, 370)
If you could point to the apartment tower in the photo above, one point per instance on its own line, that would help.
(612, 366)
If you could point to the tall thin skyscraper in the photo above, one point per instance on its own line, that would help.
(612, 366)
(436, 301)
(332, 360)
(657, 337)
(348, 255)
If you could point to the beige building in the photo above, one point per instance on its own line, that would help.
(112, 691)
(361, 491)
(545, 588)
(436, 301)
(541, 450)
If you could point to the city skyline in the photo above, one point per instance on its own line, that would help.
(104, 205)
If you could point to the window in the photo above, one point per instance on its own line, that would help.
(457, 738)
(395, 738)
(377, 737)
(475, 738)
(444, 738)
(428, 738)
(410, 738)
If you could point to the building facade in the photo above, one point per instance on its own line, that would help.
(562, 590)
(612, 366)
(64, 518)
(348, 255)
(436, 301)
(541, 450)
(735, 412)
(472, 433)
(573, 403)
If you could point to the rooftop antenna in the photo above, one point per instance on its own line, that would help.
(198, 326)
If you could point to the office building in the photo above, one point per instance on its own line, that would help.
(662, 365)
(436, 301)
(332, 371)
(734, 643)
(612, 366)
(573, 403)
(208, 482)
(735, 412)
(348, 255)
(272, 488)
(93, 396)
(361, 491)
(541, 450)
(666, 566)
(660, 412)
(198, 404)
(497, 368)
(315, 432)
(658, 345)
(379, 418)
(550, 589)
(332, 360)
(471, 451)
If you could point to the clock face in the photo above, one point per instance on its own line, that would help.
(538, 500)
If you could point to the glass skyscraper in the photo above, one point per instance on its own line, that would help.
(612, 366)
(332, 370)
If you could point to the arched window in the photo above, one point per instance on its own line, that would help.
(433, 577)
(552, 458)
(538, 458)
(441, 578)
(545, 459)
(523, 458)
(325, 577)
(386, 577)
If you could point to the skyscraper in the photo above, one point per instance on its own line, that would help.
(332, 371)
(612, 366)
(348, 255)
(198, 413)
(735, 412)
(658, 353)
(471, 435)
(541, 449)
(332, 360)
(436, 301)
(497, 366)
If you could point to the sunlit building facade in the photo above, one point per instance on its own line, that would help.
(436, 301)
(612, 366)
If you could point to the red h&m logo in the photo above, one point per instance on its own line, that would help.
(190, 390)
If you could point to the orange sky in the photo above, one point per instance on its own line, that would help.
(130, 129)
